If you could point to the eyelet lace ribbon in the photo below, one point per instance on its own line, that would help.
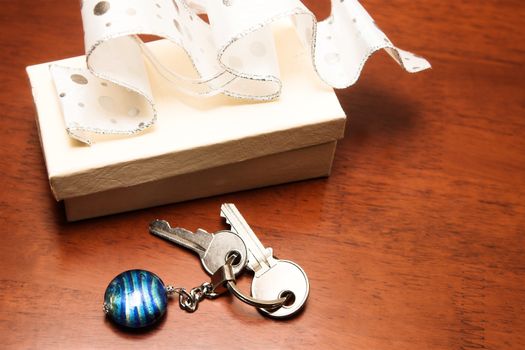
(234, 54)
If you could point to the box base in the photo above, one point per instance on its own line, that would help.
(299, 164)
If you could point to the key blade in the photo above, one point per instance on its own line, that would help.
(260, 258)
(197, 242)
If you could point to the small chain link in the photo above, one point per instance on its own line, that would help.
(189, 301)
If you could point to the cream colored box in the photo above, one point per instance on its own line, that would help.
(198, 147)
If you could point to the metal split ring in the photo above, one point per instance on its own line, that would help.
(224, 279)
(263, 304)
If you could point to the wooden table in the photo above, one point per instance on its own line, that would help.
(416, 241)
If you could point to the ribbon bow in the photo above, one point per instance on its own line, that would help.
(233, 54)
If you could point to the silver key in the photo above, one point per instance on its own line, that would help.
(273, 278)
(213, 248)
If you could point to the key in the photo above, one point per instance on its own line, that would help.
(273, 278)
(213, 248)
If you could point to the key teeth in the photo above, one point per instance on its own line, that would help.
(163, 224)
(224, 216)
(226, 219)
(223, 206)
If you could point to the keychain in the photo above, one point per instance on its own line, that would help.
(138, 298)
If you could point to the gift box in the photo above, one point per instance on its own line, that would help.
(197, 147)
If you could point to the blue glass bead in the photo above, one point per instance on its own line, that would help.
(135, 299)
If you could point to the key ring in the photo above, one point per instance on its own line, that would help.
(139, 298)
(262, 304)
(224, 279)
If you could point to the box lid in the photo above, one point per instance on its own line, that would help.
(191, 134)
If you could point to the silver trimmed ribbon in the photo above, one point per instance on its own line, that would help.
(234, 54)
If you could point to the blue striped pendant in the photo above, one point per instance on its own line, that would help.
(135, 299)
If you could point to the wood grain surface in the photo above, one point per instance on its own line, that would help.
(416, 241)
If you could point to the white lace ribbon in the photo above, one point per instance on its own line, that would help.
(233, 54)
